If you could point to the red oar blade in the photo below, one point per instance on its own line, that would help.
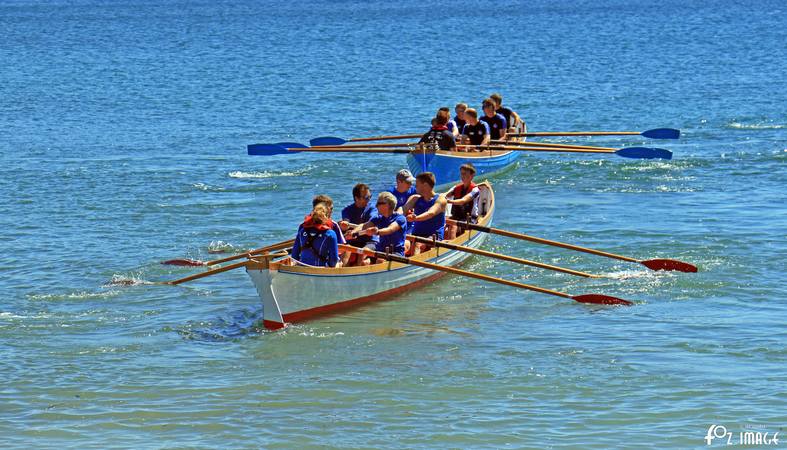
(599, 299)
(183, 262)
(669, 264)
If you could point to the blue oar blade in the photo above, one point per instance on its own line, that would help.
(327, 140)
(291, 145)
(662, 133)
(644, 153)
(266, 149)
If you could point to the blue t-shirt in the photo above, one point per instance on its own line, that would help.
(433, 226)
(360, 216)
(402, 197)
(497, 123)
(476, 132)
(393, 240)
(323, 250)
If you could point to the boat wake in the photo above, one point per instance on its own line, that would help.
(122, 280)
(760, 125)
(244, 323)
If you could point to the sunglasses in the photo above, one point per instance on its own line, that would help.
(368, 197)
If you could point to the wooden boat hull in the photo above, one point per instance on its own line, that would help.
(445, 165)
(295, 293)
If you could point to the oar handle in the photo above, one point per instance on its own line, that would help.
(276, 246)
(478, 251)
(540, 240)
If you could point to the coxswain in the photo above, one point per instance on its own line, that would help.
(358, 212)
(497, 123)
(475, 132)
(463, 200)
(439, 136)
(426, 209)
(316, 244)
(389, 225)
(459, 118)
(512, 118)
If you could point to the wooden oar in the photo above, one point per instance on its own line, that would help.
(274, 149)
(221, 269)
(333, 140)
(630, 152)
(656, 133)
(477, 251)
(653, 264)
(598, 299)
(194, 262)
(551, 145)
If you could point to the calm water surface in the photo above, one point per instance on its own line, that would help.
(123, 128)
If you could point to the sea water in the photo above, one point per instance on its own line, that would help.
(123, 127)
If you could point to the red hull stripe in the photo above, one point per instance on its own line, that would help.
(307, 314)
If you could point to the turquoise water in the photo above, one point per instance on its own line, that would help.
(124, 126)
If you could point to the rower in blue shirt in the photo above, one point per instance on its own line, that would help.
(359, 212)
(402, 192)
(426, 210)
(497, 123)
(316, 244)
(388, 225)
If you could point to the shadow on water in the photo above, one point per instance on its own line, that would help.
(240, 324)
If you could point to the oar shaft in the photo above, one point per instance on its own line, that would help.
(541, 240)
(389, 144)
(545, 144)
(453, 270)
(386, 138)
(578, 133)
(478, 251)
(540, 149)
(276, 246)
(208, 273)
(346, 149)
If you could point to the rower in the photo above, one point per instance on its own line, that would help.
(389, 225)
(459, 118)
(439, 136)
(426, 209)
(316, 244)
(328, 202)
(497, 123)
(512, 118)
(402, 192)
(358, 212)
(475, 132)
(463, 201)
(451, 125)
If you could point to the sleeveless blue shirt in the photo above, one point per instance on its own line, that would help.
(435, 225)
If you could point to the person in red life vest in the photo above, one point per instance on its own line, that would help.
(475, 132)
(463, 201)
(497, 123)
(426, 209)
(316, 244)
(354, 215)
(389, 225)
(439, 136)
(328, 202)
(459, 118)
(512, 118)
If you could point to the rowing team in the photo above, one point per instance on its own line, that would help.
(403, 210)
(468, 128)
